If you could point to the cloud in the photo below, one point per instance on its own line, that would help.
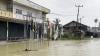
(90, 11)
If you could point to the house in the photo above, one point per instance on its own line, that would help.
(79, 28)
(75, 26)
(95, 31)
(14, 14)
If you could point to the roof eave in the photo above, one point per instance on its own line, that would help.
(32, 5)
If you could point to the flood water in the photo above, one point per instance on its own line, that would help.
(89, 47)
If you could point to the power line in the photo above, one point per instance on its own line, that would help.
(80, 2)
(83, 2)
(61, 14)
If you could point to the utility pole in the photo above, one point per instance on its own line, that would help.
(81, 19)
(78, 6)
(77, 26)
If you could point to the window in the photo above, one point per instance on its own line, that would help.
(18, 11)
(29, 14)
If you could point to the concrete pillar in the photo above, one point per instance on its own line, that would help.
(24, 31)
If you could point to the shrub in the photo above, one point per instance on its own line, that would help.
(70, 36)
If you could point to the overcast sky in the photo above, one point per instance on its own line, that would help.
(66, 10)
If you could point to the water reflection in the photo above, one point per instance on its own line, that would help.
(77, 48)
(55, 48)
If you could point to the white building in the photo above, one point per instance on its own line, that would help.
(95, 29)
(13, 16)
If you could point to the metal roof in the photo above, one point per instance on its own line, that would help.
(74, 23)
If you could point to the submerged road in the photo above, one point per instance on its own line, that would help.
(53, 48)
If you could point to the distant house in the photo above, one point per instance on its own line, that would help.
(79, 28)
(74, 26)
(95, 31)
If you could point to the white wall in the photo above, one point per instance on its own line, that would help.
(32, 5)
(35, 13)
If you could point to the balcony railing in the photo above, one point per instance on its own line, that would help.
(6, 14)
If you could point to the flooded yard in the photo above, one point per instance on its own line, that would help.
(52, 48)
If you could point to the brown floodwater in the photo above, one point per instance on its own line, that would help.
(89, 47)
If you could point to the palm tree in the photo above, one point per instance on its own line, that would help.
(96, 20)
